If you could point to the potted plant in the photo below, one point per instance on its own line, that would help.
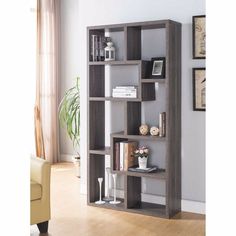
(69, 116)
(142, 154)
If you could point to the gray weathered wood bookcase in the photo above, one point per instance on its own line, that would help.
(136, 44)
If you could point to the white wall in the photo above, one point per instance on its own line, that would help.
(69, 61)
(78, 14)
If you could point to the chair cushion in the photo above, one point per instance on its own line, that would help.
(35, 190)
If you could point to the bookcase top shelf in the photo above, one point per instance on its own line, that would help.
(144, 25)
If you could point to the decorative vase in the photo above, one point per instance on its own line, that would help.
(100, 192)
(114, 201)
(108, 198)
(76, 161)
(142, 162)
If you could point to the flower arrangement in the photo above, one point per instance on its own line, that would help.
(141, 152)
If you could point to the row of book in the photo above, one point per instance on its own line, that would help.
(98, 43)
(124, 92)
(123, 155)
(162, 124)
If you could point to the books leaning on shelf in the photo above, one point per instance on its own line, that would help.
(162, 124)
(123, 155)
(124, 92)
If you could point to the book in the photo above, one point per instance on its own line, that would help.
(126, 87)
(121, 156)
(116, 164)
(162, 124)
(121, 90)
(129, 159)
(124, 95)
(146, 170)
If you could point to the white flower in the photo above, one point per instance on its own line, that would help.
(141, 151)
(145, 150)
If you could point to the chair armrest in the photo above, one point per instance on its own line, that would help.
(40, 171)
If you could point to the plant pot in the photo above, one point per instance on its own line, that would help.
(142, 162)
(76, 161)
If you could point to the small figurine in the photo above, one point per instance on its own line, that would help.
(154, 131)
(143, 129)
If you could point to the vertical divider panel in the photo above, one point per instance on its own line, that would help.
(96, 124)
(96, 80)
(134, 43)
(125, 43)
(96, 170)
(133, 118)
(173, 160)
(132, 192)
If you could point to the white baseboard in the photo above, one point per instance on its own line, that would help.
(186, 205)
(66, 157)
(83, 188)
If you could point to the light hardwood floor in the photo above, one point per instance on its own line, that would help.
(72, 217)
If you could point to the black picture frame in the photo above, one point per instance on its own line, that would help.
(158, 65)
(199, 89)
(199, 36)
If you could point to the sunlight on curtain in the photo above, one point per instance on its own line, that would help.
(47, 79)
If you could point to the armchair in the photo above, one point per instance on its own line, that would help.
(40, 193)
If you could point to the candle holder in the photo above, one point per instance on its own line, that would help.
(100, 192)
(108, 198)
(114, 201)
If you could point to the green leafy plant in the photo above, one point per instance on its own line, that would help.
(69, 112)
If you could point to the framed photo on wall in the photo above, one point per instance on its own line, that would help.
(158, 67)
(199, 37)
(199, 89)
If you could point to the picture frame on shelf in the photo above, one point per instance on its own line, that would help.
(199, 36)
(158, 67)
(199, 89)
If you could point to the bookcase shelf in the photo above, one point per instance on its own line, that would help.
(101, 151)
(136, 44)
(153, 81)
(151, 209)
(156, 175)
(119, 207)
(113, 99)
(138, 137)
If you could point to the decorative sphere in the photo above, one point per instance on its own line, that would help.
(143, 129)
(154, 131)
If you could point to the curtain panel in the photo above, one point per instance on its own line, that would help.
(46, 105)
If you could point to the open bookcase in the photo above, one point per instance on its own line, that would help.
(112, 119)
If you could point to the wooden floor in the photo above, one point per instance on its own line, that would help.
(72, 217)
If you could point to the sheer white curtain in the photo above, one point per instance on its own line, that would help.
(46, 106)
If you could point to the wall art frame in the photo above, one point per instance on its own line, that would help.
(199, 89)
(199, 37)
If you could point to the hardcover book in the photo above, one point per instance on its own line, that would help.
(116, 164)
(129, 159)
(162, 124)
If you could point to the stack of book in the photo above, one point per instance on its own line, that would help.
(124, 92)
(124, 155)
(162, 124)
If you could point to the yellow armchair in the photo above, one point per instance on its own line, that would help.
(40, 214)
